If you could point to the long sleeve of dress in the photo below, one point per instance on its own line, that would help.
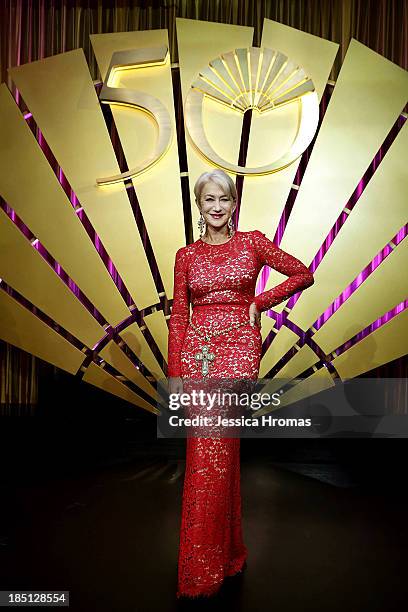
(180, 314)
(269, 254)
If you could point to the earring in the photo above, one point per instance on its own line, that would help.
(201, 224)
(230, 227)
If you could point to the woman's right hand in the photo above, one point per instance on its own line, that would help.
(175, 384)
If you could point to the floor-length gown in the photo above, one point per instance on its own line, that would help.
(219, 281)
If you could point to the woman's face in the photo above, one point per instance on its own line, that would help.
(217, 207)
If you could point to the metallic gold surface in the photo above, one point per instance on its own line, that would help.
(98, 377)
(263, 198)
(199, 42)
(268, 325)
(145, 57)
(114, 355)
(369, 302)
(369, 95)
(134, 338)
(157, 326)
(30, 187)
(159, 189)
(320, 380)
(281, 344)
(60, 93)
(303, 359)
(26, 271)
(120, 96)
(20, 327)
(378, 215)
(282, 82)
(385, 344)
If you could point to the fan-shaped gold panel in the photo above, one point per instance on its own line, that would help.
(281, 344)
(114, 355)
(263, 198)
(381, 291)
(157, 326)
(61, 95)
(378, 215)
(98, 377)
(304, 359)
(268, 325)
(369, 95)
(20, 327)
(134, 338)
(159, 189)
(198, 43)
(30, 187)
(26, 271)
(320, 380)
(385, 344)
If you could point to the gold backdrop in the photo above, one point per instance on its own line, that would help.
(33, 35)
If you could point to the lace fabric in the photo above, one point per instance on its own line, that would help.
(226, 274)
(219, 282)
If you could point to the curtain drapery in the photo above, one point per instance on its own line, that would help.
(33, 29)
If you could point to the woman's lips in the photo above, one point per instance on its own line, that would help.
(217, 216)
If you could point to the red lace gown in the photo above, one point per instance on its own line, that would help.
(219, 282)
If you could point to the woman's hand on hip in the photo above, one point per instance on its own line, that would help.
(175, 384)
(254, 316)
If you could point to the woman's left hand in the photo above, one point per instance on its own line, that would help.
(254, 316)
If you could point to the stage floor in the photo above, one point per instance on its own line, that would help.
(110, 537)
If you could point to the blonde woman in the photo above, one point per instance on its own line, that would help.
(217, 275)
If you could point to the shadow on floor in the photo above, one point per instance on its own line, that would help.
(110, 537)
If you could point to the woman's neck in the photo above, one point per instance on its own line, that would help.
(216, 237)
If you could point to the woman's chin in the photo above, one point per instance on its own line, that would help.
(216, 224)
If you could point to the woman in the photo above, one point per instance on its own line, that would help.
(217, 274)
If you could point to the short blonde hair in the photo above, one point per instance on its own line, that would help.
(218, 176)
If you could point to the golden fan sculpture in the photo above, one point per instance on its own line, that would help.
(255, 78)
(122, 348)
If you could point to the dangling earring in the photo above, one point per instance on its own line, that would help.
(230, 227)
(201, 224)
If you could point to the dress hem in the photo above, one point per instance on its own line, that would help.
(211, 590)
